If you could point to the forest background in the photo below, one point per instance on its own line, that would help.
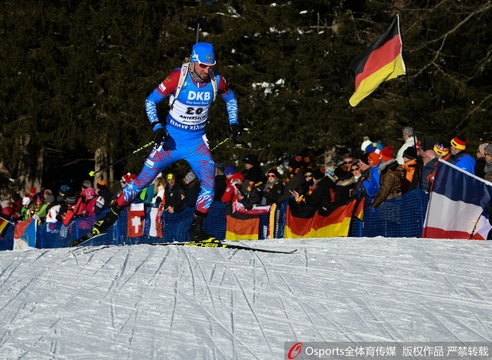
(74, 75)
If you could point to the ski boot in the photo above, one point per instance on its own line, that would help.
(198, 236)
(101, 226)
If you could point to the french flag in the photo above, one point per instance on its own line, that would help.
(25, 234)
(458, 205)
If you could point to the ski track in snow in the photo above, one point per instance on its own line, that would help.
(174, 302)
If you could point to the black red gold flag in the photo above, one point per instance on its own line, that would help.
(336, 224)
(382, 61)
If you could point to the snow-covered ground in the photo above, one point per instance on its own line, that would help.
(169, 302)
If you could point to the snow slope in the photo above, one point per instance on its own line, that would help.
(169, 302)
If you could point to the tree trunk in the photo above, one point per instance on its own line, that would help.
(102, 160)
(30, 168)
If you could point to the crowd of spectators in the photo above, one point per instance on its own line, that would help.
(377, 174)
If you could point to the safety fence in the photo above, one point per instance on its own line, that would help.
(403, 216)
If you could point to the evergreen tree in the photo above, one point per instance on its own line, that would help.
(75, 75)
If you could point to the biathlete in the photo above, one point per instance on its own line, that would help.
(191, 90)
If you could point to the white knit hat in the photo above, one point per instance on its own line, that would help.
(190, 176)
(365, 143)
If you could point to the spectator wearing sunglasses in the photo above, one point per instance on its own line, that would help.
(344, 188)
(321, 193)
(343, 169)
(273, 188)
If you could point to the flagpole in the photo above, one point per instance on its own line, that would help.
(410, 110)
(6, 220)
(412, 120)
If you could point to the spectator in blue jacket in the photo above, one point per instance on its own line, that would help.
(461, 158)
(369, 164)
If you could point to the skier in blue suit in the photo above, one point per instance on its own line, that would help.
(191, 90)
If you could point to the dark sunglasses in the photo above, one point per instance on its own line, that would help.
(204, 66)
(271, 176)
(308, 175)
(354, 169)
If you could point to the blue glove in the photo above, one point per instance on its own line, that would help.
(235, 132)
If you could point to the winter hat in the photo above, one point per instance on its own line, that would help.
(128, 177)
(441, 148)
(251, 159)
(71, 200)
(89, 193)
(488, 149)
(387, 153)
(190, 176)
(101, 184)
(374, 158)
(39, 200)
(296, 162)
(365, 143)
(26, 200)
(86, 184)
(306, 161)
(231, 169)
(274, 172)
(64, 189)
(237, 176)
(458, 142)
(365, 158)
(170, 176)
(481, 148)
(340, 173)
(203, 53)
(410, 153)
(374, 147)
(319, 173)
(254, 174)
(427, 144)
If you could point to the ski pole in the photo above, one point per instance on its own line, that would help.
(221, 143)
(92, 173)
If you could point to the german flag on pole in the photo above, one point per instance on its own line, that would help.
(380, 62)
